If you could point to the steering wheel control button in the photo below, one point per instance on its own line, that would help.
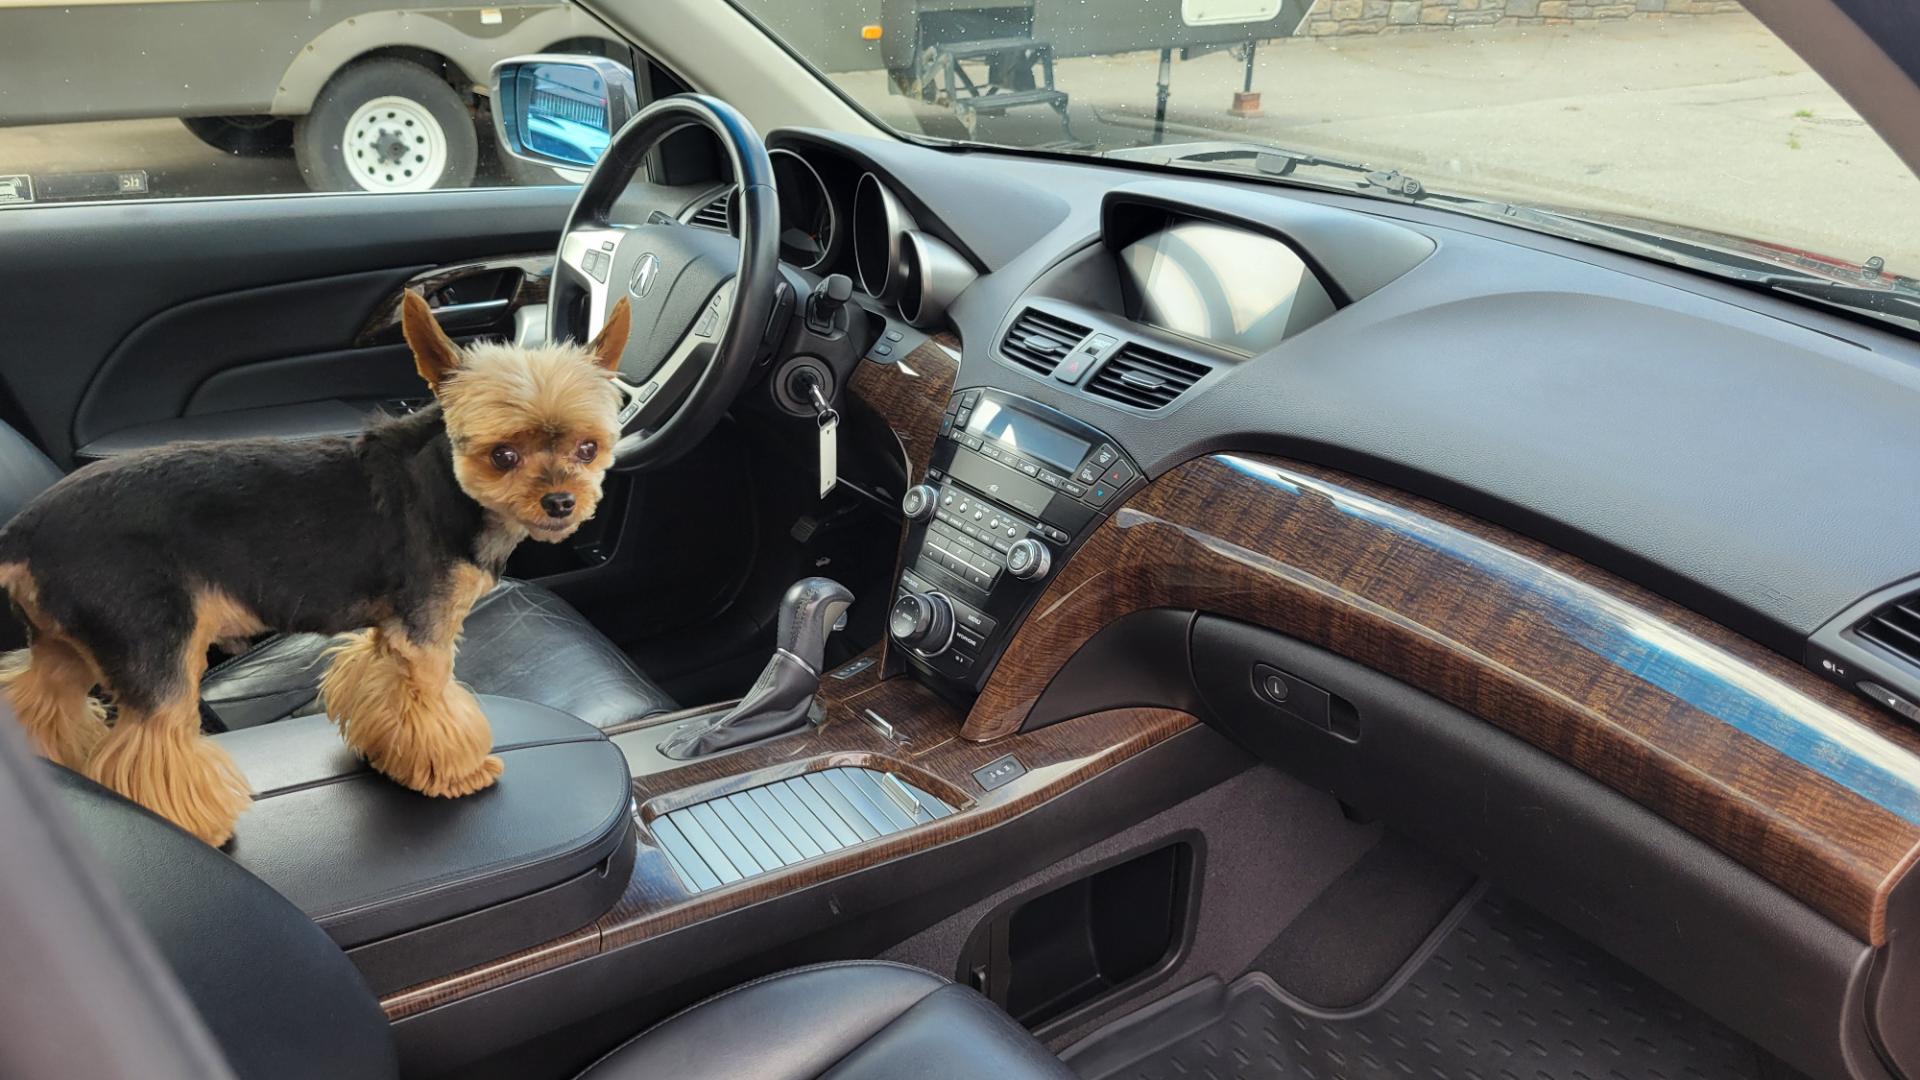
(918, 503)
(999, 772)
(1029, 559)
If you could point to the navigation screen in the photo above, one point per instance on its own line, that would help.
(1028, 437)
(1223, 285)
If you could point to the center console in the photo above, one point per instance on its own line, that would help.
(1012, 488)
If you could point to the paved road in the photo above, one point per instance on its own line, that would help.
(1709, 121)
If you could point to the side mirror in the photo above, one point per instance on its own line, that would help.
(561, 111)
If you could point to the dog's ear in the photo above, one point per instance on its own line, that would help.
(611, 341)
(434, 353)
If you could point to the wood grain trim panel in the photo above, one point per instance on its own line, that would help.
(911, 396)
(1798, 780)
(926, 749)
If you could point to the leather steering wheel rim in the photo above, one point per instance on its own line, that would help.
(651, 440)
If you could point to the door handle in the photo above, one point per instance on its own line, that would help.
(524, 279)
(477, 313)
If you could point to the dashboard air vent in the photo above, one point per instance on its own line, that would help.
(714, 214)
(1144, 378)
(1895, 628)
(1039, 341)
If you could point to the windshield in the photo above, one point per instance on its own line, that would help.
(1653, 113)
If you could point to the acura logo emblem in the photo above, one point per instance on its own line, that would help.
(644, 272)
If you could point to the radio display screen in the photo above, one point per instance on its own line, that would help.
(1028, 437)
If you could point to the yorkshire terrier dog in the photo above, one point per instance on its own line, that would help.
(128, 571)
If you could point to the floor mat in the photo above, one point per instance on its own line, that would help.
(1504, 994)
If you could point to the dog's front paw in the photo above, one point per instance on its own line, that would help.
(479, 779)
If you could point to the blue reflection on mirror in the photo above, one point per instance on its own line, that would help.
(564, 112)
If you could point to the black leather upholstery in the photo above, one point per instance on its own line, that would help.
(561, 810)
(863, 1020)
(278, 995)
(521, 641)
(284, 1003)
(24, 472)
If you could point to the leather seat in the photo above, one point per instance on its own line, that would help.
(521, 641)
(232, 942)
(861, 1020)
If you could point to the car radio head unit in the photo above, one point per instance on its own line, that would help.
(1012, 488)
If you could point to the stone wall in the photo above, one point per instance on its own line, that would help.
(1330, 17)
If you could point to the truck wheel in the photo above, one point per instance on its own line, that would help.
(243, 136)
(386, 125)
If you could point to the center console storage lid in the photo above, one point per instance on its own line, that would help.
(414, 886)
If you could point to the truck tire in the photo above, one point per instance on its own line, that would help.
(243, 136)
(386, 125)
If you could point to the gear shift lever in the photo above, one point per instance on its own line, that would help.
(783, 694)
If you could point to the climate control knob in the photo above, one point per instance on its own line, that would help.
(919, 502)
(922, 622)
(1029, 559)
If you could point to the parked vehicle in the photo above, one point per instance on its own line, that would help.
(364, 95)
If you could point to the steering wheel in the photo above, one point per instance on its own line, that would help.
(700, 298)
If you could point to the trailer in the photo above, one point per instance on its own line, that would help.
(987, 57)
(268, 77)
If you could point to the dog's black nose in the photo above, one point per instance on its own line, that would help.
(557, 503)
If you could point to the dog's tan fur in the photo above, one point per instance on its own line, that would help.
(390, 690)
(161, 760)
(398, 706)
(50, 683)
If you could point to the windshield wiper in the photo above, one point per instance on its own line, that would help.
(1896, 301)
(1895, 305)
(1273, 161)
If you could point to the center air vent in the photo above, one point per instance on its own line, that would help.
(714, 214)
(1895, 628)
(1145, 378)
(1039, 341)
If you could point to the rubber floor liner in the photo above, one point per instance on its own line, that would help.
(1504, 995)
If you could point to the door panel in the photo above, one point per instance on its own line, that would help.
(156, 371)
(119, 314)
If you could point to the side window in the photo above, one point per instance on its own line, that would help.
(180, 98)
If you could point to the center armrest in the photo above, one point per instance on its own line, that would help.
(308, 420)
(414, 887)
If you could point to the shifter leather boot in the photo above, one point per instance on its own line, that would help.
(782, 696)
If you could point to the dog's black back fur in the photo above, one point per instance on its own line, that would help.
(324, 535)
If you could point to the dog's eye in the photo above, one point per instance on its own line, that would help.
(587, 451)
(505, 457)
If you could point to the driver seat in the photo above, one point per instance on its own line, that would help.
(521, 641)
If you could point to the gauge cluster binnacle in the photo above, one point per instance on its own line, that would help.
(808, 221)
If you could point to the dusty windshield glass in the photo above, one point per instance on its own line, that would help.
(1687, 112)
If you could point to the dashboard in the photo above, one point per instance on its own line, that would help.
(1605, 405)
(1659, 526)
